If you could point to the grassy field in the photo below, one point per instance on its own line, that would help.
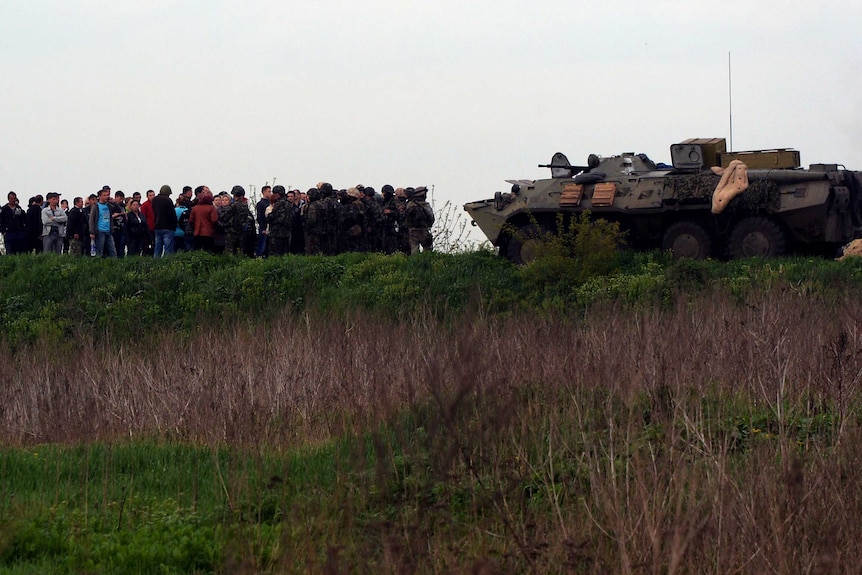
(678, 418)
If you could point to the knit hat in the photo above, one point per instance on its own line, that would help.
(165, 190)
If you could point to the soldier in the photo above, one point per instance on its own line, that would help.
(333, 219)
(419, 217)
(403, 236)
(353, 221)
(373, 220)
(314, 219)
(236, 221)
(297, 233)
(279, 220)
(391, 220)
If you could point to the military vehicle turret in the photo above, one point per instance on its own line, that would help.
(708, 203)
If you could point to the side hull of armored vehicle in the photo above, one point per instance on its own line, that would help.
(784, 209)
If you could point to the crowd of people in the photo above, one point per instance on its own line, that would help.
(321, 220)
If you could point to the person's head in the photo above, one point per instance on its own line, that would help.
(135, 205)
(387, 191)
(237, 192)
(326, 189)
(187, 192)
(165, 190)
(277, 193)
(64, 204)
(92, 199)
(53, 199)
(151, 194)
(104, 195)
(266, 191)
(291, 196)
(400, 193)
(313, 195)
(137, 196)
(303, 196)
(119, 197)
(37, 200)
(78, 202)
(106, 188)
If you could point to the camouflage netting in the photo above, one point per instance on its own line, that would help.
(695, 186)
(761, 194)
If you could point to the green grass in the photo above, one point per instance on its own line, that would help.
(131, 299)
(151, 507)
(445, 413)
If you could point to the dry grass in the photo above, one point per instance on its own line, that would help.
(710, 438)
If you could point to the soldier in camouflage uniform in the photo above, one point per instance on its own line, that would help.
(391, 220)
(419, 217)
(333, 219)
(401, 195)
(315, 223)
(353, 222)
(236, 220)
(280, 220)
(373, 220)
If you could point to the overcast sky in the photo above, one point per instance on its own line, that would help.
(456, 95)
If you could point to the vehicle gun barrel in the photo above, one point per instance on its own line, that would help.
(781, 176)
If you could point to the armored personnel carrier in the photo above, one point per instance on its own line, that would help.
(684, 207)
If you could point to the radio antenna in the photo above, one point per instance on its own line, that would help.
(730, 100)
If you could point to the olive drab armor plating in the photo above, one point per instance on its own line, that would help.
(708, 203)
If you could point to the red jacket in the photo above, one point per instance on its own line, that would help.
(147, 210)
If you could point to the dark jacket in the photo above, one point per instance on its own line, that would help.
(163, 212)
(136, 225)
(261, 214)
(77, 225)
(13, 220)
(34, 221)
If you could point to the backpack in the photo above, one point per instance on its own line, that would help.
(249, 225)
(183, 222)
(422, 215)
(428, 212)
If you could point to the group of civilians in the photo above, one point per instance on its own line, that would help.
(319, 221)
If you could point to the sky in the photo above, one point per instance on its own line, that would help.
(458, 96)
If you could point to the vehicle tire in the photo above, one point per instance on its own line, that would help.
(687, 239)
(522, 246)
(757, 237)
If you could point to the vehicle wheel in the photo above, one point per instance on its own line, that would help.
(523, 244)
(757, 237)
(687, 239)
